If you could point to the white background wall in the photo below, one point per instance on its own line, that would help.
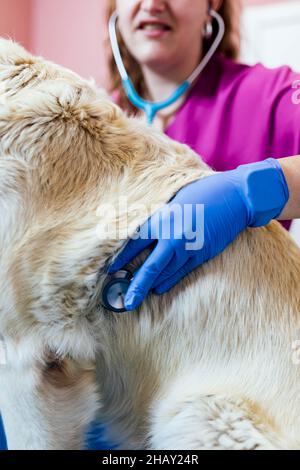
(271, 35)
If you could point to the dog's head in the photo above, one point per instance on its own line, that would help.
(65, 152)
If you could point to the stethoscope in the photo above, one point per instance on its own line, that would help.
(149, 107)
(116, 285)
(114, 289)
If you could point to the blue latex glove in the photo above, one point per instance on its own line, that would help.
(249, 196)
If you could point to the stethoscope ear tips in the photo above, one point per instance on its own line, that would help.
(114, 290)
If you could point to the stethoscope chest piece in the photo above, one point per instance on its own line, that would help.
(114, 290)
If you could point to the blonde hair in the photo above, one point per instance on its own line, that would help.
(230, 47)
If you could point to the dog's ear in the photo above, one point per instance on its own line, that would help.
(18, 68)
(11, 53)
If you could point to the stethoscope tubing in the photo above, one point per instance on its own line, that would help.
(149, 107)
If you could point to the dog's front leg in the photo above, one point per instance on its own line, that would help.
(45, 403)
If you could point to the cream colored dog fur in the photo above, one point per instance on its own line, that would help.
(209, 365)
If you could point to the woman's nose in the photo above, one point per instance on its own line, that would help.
(153, 6)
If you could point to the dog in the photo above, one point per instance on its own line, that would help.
(209, 365)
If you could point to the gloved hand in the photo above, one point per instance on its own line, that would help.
(249, 196)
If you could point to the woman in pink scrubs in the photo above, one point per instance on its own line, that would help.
(243, 121)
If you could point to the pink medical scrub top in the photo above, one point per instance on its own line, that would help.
(238, 114)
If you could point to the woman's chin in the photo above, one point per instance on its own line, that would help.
(156, 58)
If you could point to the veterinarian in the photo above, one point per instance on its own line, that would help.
(174, 62)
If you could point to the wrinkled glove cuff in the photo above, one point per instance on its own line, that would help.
(264, 189)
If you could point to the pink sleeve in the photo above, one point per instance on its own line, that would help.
(284, 113)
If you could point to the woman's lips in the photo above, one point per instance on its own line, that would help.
(158, 33)
(154, 29)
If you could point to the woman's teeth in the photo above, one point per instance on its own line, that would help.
(154, 27)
